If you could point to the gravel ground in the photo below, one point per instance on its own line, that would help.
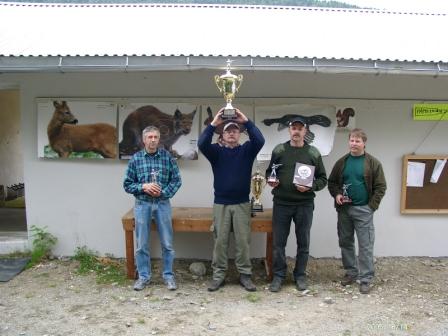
(409, 297)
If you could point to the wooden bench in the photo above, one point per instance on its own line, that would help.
(196, 220)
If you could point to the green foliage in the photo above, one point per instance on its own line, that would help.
(50, 153)
(18, 202)
(253, 297)
(43, 243)
(107, 270)
(87, 260)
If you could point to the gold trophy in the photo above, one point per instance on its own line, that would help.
(258, 183)
(228, 84)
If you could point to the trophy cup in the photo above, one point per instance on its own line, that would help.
(258, 183)
(345, 197)
(273, 177)
(154, 173)
(228, 84)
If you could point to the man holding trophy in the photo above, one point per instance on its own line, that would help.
(232, 167)
(293, 200)
(357, 184)
(153, 178)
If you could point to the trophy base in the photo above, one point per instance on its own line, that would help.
(257, 207)
(273, 180)
(346, 200)
(228, 114)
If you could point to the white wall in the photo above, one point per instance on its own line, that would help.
(82, 201)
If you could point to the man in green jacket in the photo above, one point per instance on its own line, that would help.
(293, 201)
(357, 184)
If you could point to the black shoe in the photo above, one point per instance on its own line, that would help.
(215, 285)
(348, 280)
(247, 283)
(276, 284)
(301, 283)
(364, 288)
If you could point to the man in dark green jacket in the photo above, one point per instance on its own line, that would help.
(357, 184)
(293, 201)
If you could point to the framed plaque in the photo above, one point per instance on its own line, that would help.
(303, 174)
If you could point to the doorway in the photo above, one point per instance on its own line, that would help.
(13, 226)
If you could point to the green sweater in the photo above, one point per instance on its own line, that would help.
(373, 177)
(286, 193)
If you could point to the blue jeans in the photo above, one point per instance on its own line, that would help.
(302, 216)
(144, 212)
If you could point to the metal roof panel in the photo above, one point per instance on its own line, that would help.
(219, 30)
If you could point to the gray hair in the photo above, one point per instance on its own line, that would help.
(150, 129)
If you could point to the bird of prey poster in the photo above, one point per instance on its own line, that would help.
(273, 121)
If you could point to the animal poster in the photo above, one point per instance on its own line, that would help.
(273, 121)
(209, 112)
(345, 119)
(77, 129)
(178, 124)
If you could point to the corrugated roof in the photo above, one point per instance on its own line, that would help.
(219, 30)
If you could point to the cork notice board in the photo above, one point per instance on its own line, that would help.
(430, 198)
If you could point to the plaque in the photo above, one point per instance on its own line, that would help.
(304, 175)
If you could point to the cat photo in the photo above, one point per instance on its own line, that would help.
(178, 125)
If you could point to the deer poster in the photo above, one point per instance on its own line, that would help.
(178, 124)
(76, 129)
(273, 122)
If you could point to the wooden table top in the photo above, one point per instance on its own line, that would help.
(199, 219)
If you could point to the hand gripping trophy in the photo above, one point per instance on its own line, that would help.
(258, 183)
(228, 84)
(273, 177)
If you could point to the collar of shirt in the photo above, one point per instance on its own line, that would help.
(156, 154)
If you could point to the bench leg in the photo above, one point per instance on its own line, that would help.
(268, 263)
(130, 263)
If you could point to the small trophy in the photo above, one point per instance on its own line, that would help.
(273, 177)
(345, 197)
(258, 183)
(228, 84)
(154, 174)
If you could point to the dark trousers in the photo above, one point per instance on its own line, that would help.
(302, 216)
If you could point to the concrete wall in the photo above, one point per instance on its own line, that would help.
(11, 167)
(82, 201)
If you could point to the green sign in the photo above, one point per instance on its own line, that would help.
(430, 111)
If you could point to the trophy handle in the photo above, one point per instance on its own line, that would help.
(218, 82)
(240, 81)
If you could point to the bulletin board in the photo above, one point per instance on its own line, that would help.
(429, 198)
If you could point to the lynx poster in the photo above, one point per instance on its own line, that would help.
(177, 122)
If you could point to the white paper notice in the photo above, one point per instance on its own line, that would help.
(438, 167)
(416, 173)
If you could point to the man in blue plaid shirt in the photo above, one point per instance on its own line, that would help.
(153, 178)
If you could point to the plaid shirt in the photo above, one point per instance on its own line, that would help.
(139, 172)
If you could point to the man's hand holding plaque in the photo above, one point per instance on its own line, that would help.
(303, 176)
